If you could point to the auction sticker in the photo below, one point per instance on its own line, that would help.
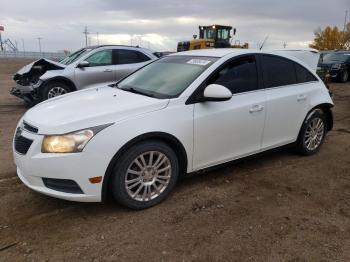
(200, 62)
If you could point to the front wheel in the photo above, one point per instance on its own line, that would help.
(312, 133)
(145, 175)
(54, 89)
(344, 77)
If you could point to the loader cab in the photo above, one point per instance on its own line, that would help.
(216, 32)
(220, 34)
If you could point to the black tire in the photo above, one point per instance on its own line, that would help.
(344, 76)
(45, 92)
(302, 141)
(119, 175)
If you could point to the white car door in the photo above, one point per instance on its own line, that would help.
(99, 72)
(227, 130)
(288, 90)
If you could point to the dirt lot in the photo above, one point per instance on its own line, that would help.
(278, 207)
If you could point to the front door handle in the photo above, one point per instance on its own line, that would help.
(107, 70)
(302, 97)
(256, 108)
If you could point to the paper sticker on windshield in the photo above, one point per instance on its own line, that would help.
(200, 62)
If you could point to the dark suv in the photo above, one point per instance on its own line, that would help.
(337, 64)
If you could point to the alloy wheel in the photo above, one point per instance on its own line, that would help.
(314, 134)
(148, 175)
(56, 91)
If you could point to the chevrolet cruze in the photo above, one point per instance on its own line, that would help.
(180, 114)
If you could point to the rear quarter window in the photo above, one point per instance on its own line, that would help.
(303, 75)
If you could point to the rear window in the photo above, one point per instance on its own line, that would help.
(130, 57)
(278, 71)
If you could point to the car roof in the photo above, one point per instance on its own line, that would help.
(123, 46)
(221, 52)
(342, 52)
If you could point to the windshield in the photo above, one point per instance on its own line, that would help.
(73, 57)
(167, 77)
(341, 57)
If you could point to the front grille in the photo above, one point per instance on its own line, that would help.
(62, 185)
(22, 144)
(30, 128)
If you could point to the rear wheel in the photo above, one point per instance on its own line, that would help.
(54, 89)
(145, 175)
(312, 133)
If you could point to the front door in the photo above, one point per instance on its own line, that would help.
(100, 71)
(227, 130)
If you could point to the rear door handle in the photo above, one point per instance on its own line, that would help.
(302, 97)
(256, 108)
(107, 70)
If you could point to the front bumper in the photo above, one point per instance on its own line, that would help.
(21, 91)
(33, 166)
(335, 73)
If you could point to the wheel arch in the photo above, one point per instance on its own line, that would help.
(167, 138)
(61, 79)
(326, 108)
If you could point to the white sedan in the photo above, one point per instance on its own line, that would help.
(183, 113)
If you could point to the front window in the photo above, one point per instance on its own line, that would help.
(73, 57)
(336, 57)
(223, 34)
(209, 33)
(100, 58)
(168, 77)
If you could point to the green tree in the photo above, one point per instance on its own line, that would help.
(331, 38)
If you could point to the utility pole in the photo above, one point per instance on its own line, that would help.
(140, 40)
(345, 19)
(39, 39)
(98, 41)
(86, 36)
(1, 47)
(1, 44)
(24, 50)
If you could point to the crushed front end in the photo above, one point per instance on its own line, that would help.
(28, 79)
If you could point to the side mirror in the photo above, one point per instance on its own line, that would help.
(83, 64)
(216, 93)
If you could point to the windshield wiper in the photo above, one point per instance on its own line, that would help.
(136, 91)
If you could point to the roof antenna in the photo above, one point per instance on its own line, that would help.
(263, 43)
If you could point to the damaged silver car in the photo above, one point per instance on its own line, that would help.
(87, 67)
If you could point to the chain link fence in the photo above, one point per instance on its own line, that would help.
(33, 55)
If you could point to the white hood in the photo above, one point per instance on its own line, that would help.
(88, 108)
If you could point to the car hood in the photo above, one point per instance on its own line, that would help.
(327, 63)
(40, 63)
(88, 108)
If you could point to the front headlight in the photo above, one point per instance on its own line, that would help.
(70, 143)
(336, 66)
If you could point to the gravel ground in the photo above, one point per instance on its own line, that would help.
(275, 207)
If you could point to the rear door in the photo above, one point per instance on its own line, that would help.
(288, 88)
(230, 129)
(128, 61)
(100, 71)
